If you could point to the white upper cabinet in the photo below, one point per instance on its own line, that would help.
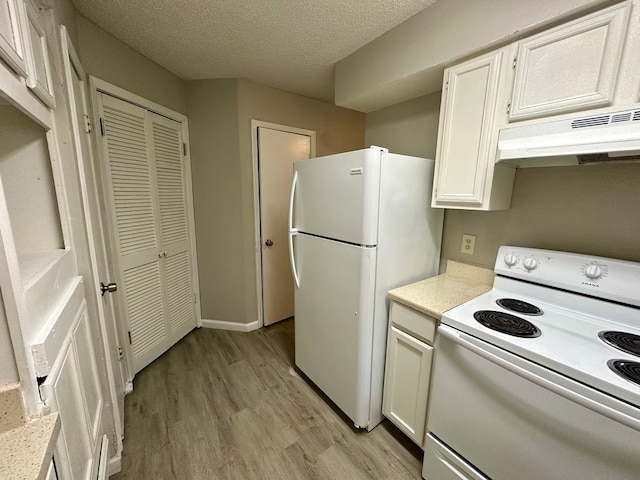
(571, 67)
(12, 49)
(474, 102)
(39, 73)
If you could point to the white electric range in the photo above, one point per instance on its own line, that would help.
(539, 378)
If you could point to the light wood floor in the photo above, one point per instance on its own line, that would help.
(229, 405)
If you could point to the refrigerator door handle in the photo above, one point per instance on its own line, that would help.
(293, 231)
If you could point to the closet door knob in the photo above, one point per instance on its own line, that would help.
(109, 287)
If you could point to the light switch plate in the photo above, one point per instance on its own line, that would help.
(468, 244)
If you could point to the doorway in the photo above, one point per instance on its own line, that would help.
(275, 148)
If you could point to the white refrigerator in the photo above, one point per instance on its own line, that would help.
(360, 224)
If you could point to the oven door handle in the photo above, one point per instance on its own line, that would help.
(568, 394)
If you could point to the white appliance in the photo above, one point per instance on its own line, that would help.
(359, 225)
(599, 138)
(539, 378)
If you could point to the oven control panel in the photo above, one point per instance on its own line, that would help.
(617, 280)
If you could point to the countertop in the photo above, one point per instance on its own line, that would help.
(436, 295)
(26, 447)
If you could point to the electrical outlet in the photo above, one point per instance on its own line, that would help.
(468, 244)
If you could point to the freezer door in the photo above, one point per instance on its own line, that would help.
(334, 320)
(337, 196)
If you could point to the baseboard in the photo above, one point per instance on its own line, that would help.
(115, 465)
(235, 326)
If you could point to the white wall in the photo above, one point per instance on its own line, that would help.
(25, 172)
(8, 368)
(409, 60)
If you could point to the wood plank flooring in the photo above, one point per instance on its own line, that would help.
(230, 405)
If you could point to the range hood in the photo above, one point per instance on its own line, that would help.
(613, 137)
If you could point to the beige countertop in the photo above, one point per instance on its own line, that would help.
(436, 295)
(26, 447)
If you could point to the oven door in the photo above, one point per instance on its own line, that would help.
(511, 418)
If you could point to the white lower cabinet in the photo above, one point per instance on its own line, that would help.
(408, 370)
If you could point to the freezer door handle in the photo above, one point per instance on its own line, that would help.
(293, 231)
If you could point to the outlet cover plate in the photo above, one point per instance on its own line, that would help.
(468, 244)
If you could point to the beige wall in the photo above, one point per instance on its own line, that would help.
(213, 132)
(109, 59)
(225, 218)
(408, 60)
(588, 209)
(409, 128)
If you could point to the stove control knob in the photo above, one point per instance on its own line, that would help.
(530, 263)
(510, 259)
(593, 271)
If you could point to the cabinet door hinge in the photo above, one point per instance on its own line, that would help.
(184, 149)
(515, 60)
(446, 85)
(120, 353)
(508, 107)
(130, 342)
(87, 124)
(102, 126)
(194, 298)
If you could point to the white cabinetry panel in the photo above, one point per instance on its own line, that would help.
(12, 48)
(73, 390)
(571, 67)
(467, 136)
(39, 78)
(408, 370)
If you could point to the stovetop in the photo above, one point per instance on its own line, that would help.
(566, 332)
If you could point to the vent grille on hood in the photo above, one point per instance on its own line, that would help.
(605, 119)
(599, 138)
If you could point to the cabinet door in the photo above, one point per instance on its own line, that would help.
(465, 153)
(73, 390)
(12, 49)
(406, 386)
(40, 77)
(571, 67)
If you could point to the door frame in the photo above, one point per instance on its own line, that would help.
(97, 87)
(95, 237)
(255, 124)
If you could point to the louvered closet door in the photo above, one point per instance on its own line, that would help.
(146, 184)
(174, 233)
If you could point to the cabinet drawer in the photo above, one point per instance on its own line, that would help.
(417, 324)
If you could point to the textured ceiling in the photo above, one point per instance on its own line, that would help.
(288, 44)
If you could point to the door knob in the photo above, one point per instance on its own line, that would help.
(269, 242)
(110, 287)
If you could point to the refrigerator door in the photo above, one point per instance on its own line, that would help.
(334, 320)
(337, 196)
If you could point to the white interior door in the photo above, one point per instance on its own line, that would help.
(166, 135)
(147, 185)
(109, 324)
(277, 150)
